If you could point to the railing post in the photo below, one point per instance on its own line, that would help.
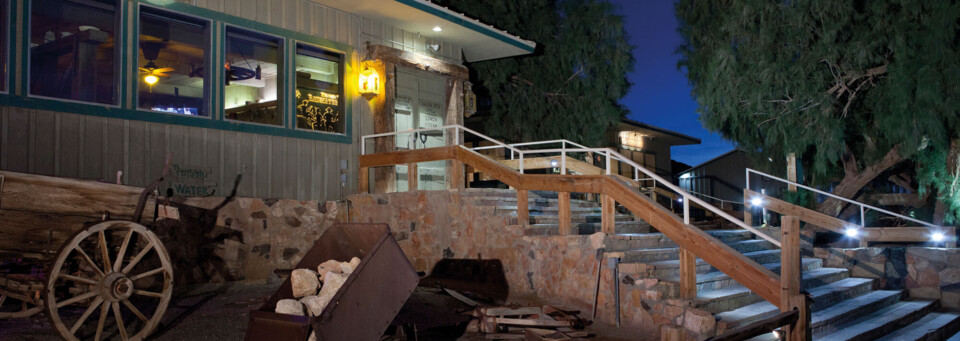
(411, 177)
(790, 274)
(653, 194)
(686, 210)
(863, 227)
(608, 162)
(564, 213)
(608, 217)
(364, 180)
(456, 135)
(563, 161)
(523, 208)
(688, 274)
(521, 163)
(747, 208)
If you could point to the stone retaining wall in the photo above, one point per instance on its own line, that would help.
(560, 270)
(925, 272)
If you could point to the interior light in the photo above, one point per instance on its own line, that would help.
(756, 201)
(937, 236)
(679, 199)
(437, 29)
(685, 176)
(852, 232)
(151, 79)
(776, 334)
(553, 163)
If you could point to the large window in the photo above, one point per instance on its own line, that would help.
(73, 50)
(173, 52)
(319, 93)
(252, 77)
(4, 26)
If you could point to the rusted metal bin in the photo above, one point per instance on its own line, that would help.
(365, 305)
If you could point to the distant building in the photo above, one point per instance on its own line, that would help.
(646, 145)
(722, 177)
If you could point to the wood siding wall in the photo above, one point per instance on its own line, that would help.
(79, 146)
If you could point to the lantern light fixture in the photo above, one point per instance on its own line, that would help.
(369, 78)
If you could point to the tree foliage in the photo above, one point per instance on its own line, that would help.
(571, 86)
(845, 84)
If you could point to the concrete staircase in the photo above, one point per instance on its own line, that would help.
(544, 212)
(843, 307)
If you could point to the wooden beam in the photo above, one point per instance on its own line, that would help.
(755, 277)
(37, 234)
(564, 219)
(608, 214)
(523, 207)
(562, 183)
(73, 197)
(688, 274)
(904, 234)
(408, 156)
(418, 61)
(412, 177)
(364, 180)
(804, 214)
(790, 278)
(456, 175)
(489, 167)
(758, 328)
(792, 170)
(573, 165)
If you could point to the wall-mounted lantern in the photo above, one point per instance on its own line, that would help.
(369, 80)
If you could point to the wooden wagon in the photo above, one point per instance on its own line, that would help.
(86, 254)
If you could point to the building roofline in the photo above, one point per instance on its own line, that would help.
(718, 157)
(691, 139)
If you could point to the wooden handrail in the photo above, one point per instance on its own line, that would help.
(744, 270)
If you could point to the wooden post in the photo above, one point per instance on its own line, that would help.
(672, 333)
(790, 275)
(564, 218)
(364, 180)
(523, 208)
(688, 274)
(412, 177)
(792, 171)
(456, 175)
(747, 208)
(608, 216)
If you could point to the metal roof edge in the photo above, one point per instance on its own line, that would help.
(638, 124)
(715, 158)
(470, 23)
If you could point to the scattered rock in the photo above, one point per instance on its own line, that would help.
(289, 307)
(314, 305)
(348, 267)
(304, 282)
(331, 284)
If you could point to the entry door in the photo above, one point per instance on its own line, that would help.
(419, 104)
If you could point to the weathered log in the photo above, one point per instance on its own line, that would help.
(37, 234)
(71, 197)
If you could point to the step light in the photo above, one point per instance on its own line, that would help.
(852, 232)
(756, 201)
(680, 200)
(553, 163)
(937, 237)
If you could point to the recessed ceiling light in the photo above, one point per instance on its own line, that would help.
(437, 29)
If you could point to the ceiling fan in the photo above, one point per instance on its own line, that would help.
(151, 71)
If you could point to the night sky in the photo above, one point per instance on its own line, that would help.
(660, 95)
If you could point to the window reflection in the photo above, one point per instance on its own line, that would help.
(173, 56)
(72, 50)
(252, 77)
(318, 94)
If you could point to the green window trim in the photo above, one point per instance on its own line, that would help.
(16, 95)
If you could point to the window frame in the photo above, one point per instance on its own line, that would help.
(10, 35)
(208, 63)
(282, 70)
(341, 69)
(118, 51)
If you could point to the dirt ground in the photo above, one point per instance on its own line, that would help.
(221, 312)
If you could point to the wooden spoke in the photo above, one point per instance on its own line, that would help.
(135, 311)
(105, 251)
(77, 279)
(123, 250)
(137, 259)
(2, 298)
(103, 319)
(83, 318)
(89, 261)
(148, 293)
(76, 299)
(146, 274)
(116, 314)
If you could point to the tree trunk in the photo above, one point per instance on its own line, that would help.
(953, 165)
(855, 179)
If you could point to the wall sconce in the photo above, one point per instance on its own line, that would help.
(369, 81)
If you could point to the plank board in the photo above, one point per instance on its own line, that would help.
(805, 214)
(63, 196)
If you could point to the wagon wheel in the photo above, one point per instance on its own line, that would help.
(17, 305)
(118, 269)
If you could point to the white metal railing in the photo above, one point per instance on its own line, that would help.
(863, 207)
(608, 153)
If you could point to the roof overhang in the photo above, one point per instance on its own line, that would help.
(479, 41)
(668, 136)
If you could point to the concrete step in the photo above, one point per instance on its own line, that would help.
(719, 280)
(933, 326)
(586, 228)
(531, 202)
(823, 296)
(828, 320)
(670, 268)
(579, 218)
(878, 322)
(549, 210)
(647, 255)
(734, 297)
(625, 242)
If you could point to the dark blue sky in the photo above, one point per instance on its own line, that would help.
(660, 95)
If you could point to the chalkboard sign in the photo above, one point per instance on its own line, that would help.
(318, 110)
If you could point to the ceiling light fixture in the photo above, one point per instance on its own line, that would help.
(437, 29)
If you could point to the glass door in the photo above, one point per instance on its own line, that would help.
(419, 104)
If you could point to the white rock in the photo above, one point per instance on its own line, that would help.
(304, 282)
(314, 304)
(348, 267)
(289, 307)
(313, 336)
(332, 283)
(330, 265)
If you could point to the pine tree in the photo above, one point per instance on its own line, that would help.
(853, 87)
(570, 87)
